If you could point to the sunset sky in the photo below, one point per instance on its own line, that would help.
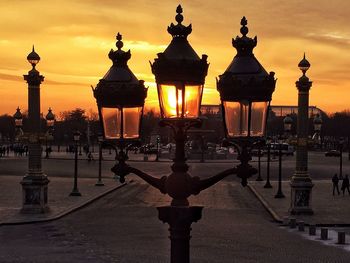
(73, 39)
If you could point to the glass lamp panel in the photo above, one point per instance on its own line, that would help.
(287, 127)
(18, 122)
(33, 61)
(50, 123)
(111, 122)
(131, 122)
(258, 118)
(317, 127)
(236, 118)
(170, 100)
(193, 96)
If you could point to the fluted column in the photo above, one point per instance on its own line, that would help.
(301, 183)
(35, 182)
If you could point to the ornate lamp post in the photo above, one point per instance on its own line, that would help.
(245, 90)
(317, 129)
(279, 191)
(50, 121)
(287, 125)
(18, 123)
(120, 98)
(35, 182)
(75, 191)
(180, 75)
(301, 183)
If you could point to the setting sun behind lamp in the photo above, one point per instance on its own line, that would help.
(120, 98)
(180, 74)
(245, 90)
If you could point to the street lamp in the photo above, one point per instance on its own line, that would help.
(120, 98)
(301, 183)
(50, 121)
(100, 144)
(18, 122)
(75, 191)
(35, 182)
(317, 128)
(287, 125)
(245, 91)
(180, 75)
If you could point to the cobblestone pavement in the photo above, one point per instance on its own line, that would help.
(123, 227)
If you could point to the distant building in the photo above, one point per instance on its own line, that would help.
(214, 111)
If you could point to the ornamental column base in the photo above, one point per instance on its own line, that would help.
(180, 219)
(301, 195)
(34, 192)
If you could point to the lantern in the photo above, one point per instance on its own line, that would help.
(317, 123)
(50, 119)
(120, 98)
(245, 90)
(18, 118)
(180, 74)
(287, 123)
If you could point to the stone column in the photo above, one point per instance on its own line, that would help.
(35, 182)
(301, 183)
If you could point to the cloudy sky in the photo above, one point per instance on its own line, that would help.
(74, 37)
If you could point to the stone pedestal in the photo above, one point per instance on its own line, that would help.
(34, 189)
(180, 219)
(301, 196)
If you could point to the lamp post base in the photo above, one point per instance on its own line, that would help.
(75, 192)
(99, 183)
(34, 192)
(301, 196)
(180, 219)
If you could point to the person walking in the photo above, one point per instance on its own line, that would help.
(335, 181)
(345, 184)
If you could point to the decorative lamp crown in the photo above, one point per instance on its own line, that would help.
(33, 58)
(179, 61)
(287, 120)
(18, 114)
(179, 30)
(245, 78)
(244, 44)
(304, 65)
(120, 86)
(119, 57)
(50, 116)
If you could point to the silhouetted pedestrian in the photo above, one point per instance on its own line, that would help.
(345, 184)
(335, 181)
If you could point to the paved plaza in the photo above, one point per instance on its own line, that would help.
(118, 223)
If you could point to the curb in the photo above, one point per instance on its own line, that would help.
(274, 215)
(68, 211)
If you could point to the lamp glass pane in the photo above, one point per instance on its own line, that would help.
(236, 118)
(317, 126)
(258, 118)
(33, 61)
(50, 123)
(131, 122)
(193, 96)
(18, 122)
(168, 101)
(111, 122)
(288, 127)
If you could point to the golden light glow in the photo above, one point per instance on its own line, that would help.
(74, 45)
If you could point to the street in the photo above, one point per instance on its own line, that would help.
(123, 227)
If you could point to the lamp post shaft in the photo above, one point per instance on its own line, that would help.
(35, 182)
(301, 183)
(259, 164)
(279, 192)
(268, 184)
(99, 181)
(75, 191)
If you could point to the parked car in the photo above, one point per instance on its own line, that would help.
(331, 153)
(286, 149)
